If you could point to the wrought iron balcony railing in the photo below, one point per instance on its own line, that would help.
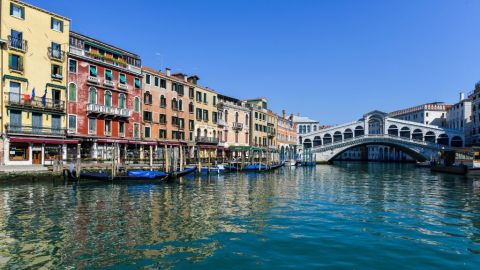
(34, 130)
(237, 126)
(101, 109)
(17, 44)
(38, 103)
(209, 140)
(54, 54)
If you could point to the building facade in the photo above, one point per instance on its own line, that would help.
(474, 96)
(233, 122)
(286, 136)
(258, 122)
(33, 84)
(459, 116)
(104, 99)
(429, 114)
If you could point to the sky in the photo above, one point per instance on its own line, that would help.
(331, 60)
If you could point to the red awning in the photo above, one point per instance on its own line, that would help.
(111, 141)
(42, 140)
(208, 146)
(171, 143)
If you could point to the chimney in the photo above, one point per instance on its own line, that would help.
(291, 117)
(185, 78)
(462, 96)
(168, 70)
(284, 114)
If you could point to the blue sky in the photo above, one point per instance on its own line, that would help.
(330, 60)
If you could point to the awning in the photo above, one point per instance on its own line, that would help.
(142, 142)
(208, 146)
(43, 140)
(111, 141)
(171, 143)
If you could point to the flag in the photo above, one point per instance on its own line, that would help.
(33, 93)
(44, 98)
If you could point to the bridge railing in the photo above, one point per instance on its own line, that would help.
(370, 137)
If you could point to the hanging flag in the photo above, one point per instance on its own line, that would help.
(33, 93)
(44, 98)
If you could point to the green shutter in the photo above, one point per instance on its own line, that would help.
(60, 70)
(61, 26)
(20, 59)
(10, 60)
(11, 9)
(93, 70)
(23, 12)
(123, 79)
(51, 23)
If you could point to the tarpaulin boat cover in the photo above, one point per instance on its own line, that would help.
(146, 174)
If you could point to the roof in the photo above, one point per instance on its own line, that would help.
(40, 9)
(433, 106)
(174, 78)
(303, 119)
(101, 43)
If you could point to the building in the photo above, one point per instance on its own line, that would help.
(258, 122)
(33, 85)
(233, 123)
(104, 99)
(305, 125)
(474, 96)
(429, 114)
(168, 110)
(286, 136)
(206, 118)
(459, 116)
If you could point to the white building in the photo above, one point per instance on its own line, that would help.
(474, 96)
(429, 114)
(459, 116)
(305, 125)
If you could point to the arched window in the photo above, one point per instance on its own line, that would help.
(108, 99)
(205, 133)
(72, 92)
(180, 105)
(121, 101)
(246, 119)
(163, 101)
(136, 104)
(174, 104)
(226, 116)
(92, 95)
(214, 134)
(236, 117)
(198, 132)
(190, 107)
(147, 98)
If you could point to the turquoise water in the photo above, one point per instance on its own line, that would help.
(351, 215)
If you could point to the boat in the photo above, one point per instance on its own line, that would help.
(274, 167)
(449, 163)
(425, 164)
(138, 177)
(186, 171)
(452, 169)
(213, 170)
(255, 167)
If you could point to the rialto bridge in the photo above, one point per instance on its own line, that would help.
(421, 142)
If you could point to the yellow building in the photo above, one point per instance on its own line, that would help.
(34, 72)
(206, 118)
(259, 118)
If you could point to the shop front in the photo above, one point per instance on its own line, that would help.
(35, 151)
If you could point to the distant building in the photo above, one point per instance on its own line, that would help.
(286, 136)
(474, 96)
(459, 116)
(304, 125)
(429, 114)
(258, 122)
(233, 122)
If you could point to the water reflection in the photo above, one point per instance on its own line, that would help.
(306, 217)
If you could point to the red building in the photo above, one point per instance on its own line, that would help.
(104, 91)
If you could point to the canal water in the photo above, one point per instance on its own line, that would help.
(350, 215)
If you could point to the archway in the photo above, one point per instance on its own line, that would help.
(327, 139)
(417, 135)
(307, 143)
(443, 139)
(359, 131)
(317, 141)
(405, 132)
(456, 141)
(429, 137)
(400, 148)
(393, 130)
(347, 134)
(337, 136)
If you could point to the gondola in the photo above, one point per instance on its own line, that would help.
(255, 168)
(186, 171)
(134, 176)
(274, 167)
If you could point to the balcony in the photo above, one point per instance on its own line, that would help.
(102, 58)
(122, 86)
(93, 79)
(24, 101)
(56, 54)
(17, 44)
(237, 126)
(206, 140)
(34, 130)
(221, 122)
(108, 111)
(108, 83)
(271, 133)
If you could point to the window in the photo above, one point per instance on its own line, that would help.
(93, 71)
(214, 117)
(191, 124)
(174, 104)
(136, 130)
(191, 92)
(198, 97)
(72, 66)
(136, 105)
(180, 105)
(214, 100)
(163, 101)
(199, 114)
(162, 119)
(180, 90)
(72, 123)
(147, 116)
(163, 83)
(72, 92)
(121, 101)
(108, 75)
(162, 133)
(92, 95)
(18, 151)
(92, 125)
(56, 25)
(17, 11)
(123, 78)
(108, 127)
(205, 100)
(16, 40)
(137, 83)
(108, 99)
(15, 62)
(121, 128)
(156, 81)
(205, 115)
(56, 51)
(190, 107)
(147, 98)
(147, 132)
(147, 79)
(57, 71)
